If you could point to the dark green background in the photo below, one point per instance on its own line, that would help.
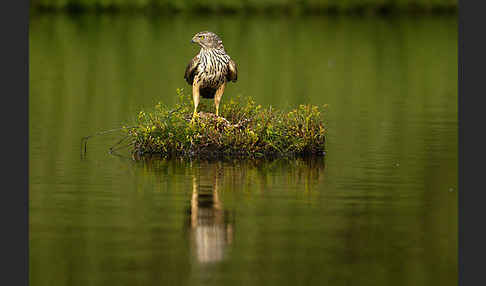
(380, 209)
(268, 6)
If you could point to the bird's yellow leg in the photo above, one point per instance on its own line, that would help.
(195, 97)
(217, 97)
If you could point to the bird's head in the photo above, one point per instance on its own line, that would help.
(207, 40)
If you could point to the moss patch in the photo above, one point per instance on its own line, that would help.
(243, 129)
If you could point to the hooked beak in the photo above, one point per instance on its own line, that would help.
(192, 41)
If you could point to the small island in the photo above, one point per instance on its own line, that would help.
(243, 129)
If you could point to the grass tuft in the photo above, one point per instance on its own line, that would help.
(243, 129)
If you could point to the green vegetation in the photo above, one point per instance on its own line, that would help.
(251, 5)
(244, 129)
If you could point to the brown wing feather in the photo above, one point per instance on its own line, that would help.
(190, 70)
(232, 71)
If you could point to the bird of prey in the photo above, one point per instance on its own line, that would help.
(210, 70)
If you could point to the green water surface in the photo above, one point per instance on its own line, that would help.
(379, 209)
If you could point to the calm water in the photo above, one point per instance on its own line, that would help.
(379, 209)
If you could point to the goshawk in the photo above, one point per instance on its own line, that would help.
(210, 70)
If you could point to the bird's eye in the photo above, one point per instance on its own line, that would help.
(201, 37)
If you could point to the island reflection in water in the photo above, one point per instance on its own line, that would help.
(210, 226)
(216, 189)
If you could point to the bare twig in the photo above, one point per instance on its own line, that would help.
(119, 142)
(112, 150)
(84, 140)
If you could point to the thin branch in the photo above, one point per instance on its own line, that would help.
(119, 142)
(121, 147)
(84, 140)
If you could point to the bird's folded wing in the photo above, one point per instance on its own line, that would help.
(190, 70)
(232, 71)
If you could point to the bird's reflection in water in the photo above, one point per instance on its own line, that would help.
(210, 226)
